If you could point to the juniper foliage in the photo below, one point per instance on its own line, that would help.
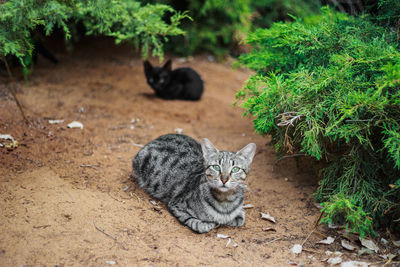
(125, 20)
(219, 26)
(329, 87)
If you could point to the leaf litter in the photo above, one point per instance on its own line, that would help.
(222, 236)
(75, 124)
(10, 145)
(267, 229)
(334, 261)
(346, 244)
(354, 264)
(329, 240)
(267, 217)
(369, 244)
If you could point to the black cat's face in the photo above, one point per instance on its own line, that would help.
(158, 77)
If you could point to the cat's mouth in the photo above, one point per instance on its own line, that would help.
(224, 189)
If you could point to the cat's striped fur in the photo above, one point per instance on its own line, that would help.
(202, 186)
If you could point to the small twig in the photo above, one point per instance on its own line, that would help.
(388, 262)
(273, 240)
(319, 218)
(134, 195)
(286, 113)
(305, 240)
(310, 250)
(89, 166)
(290, 121)
(355, 185)
(358, 120)
(290, 156)
(314, 227)
(110, 236)
(12, 91)
(42, 226)
(372, 119)
(320, 234)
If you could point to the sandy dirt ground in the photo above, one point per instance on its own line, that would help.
(66, 196)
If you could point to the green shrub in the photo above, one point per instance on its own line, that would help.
(216, 27)
(219, 26)
(266, 12)
(125, 20)
(385, 12)
(329, 87)
(347, 211)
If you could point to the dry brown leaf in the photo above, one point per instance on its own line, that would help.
(329, 240)
(346, 244)
(266, 229)
(248, 206)
(268, 217)
(369, 244)
(222, 236)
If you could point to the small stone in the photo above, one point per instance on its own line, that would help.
(297, 249)
(335, 260)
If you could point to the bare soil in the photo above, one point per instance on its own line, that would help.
(66, 196)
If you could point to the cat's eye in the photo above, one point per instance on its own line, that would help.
(235, 169)
(216, 167)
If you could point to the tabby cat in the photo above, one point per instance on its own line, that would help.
(202, 186)
(181, 83)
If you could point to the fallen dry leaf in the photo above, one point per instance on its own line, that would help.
(266, 229)
(384, 241)
(335, 260)
(56, 121)
(388, 256)
(396, 243)
(9, 145)
(354, 264)
(369, 244)
(329, 240)
(248, 206)
(363, 251)
(346, 244)
(75, 124)
(222, 236)
(227, 243)
(154, 203)
(268, 217)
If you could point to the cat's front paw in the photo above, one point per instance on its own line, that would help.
(202, 227)
(237, 222)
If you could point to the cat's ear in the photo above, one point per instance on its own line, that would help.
(168, 65)
(208, 148)
(248, 152)
(147, 66)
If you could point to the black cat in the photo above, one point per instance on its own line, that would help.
(181, 83)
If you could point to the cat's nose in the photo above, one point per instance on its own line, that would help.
(224, 179)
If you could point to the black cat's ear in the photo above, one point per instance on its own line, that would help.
(208, 148)
(168, 65)
(147, 66)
